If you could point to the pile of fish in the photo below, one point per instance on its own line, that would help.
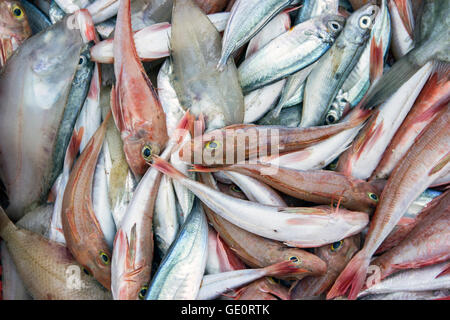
(216, 149)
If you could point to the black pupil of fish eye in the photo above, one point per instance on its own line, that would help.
(81, 60)
(335, 26)
(293, 259)
(330, 119)
(373, 196)
(147, 152)
(17, 12)
(365, 21)
(143, 292)
(336, 245)
(85, 271)
(105, 257)
(213, 145)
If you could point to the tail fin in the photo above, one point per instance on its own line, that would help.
(352, 277)
(227, 257)
(282, 269)
(166, 168)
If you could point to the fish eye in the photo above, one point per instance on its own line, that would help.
(335, 26)
(104, 257)
(273, 280)
(82, 60)
(294, 259)
(143, 292)
(17, 12)
(336, 246)
(331, 118)
(373, 196)
(236, 189)
(212, 145)
(147, 152)
(365, 22)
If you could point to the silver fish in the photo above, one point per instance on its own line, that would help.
(333, 68)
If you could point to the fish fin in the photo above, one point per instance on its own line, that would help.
(227, 256)
(406, 15)
(116, 111)
(352, 277)
(304, 210)
(166, 168)
(73, 147)
(441, 164)
(442, 70)
(292, 9)
(199, 126)
(423, 263)
(444, 272)
(184, 126)
(200, 168)
(390, 82)
(376, 60)
(283, 268)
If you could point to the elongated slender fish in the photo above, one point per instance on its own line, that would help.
(433, 97)
(135, 105)
(335, 66)
(180, 273)
(428, 243)
(293, 51)
(300, 227)
(259, 252)
(247, 18)
(367, 150)
(216, 284)
(46, 267)
(336, 255)
(425, 161)
(196, 45)
(83, 234)
(133, 244)
(34, 87)
(318, 186)
(14, 28)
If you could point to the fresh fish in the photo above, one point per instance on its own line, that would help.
(34, 87)
(36, 18)
(426, 159)
(259, 101)
(288, 117)
(300, 227)
(293, 89)
(165, 217)
(220, 257)
(229, 145)
(433, 97)
(335, 65)
(158, 11)
(152, 42)
(336, 255)
(423, 279)
(432, 42)
(213, 285)
(263, 289)
(358, 82)
(133, 245)
(14, 28)
(47, 268)
(247, 18)
(232, 190)
(402, 27)
(135, 105)
(180, 273)
(293, 51)
(317, 186)
(367, 150)
(83, 234)
(199, 86)
(427, 243)
(259, 252)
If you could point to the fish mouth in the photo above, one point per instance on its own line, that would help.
(7, 46)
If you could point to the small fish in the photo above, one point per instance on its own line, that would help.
(266, 288)
(240, 29)
(300, 227)
(180, 273)
(14, 28)
(335, 65)
(134, 102)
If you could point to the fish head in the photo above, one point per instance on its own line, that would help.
(98, 262)
(360, 23)
(139, 150)
(14, 28)
(366, 194)
(206, 149)
(130, 275)
(339, 253)
(331, 26)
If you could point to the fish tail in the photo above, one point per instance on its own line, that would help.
(166, 168)
(282, 268)
(351, 278)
